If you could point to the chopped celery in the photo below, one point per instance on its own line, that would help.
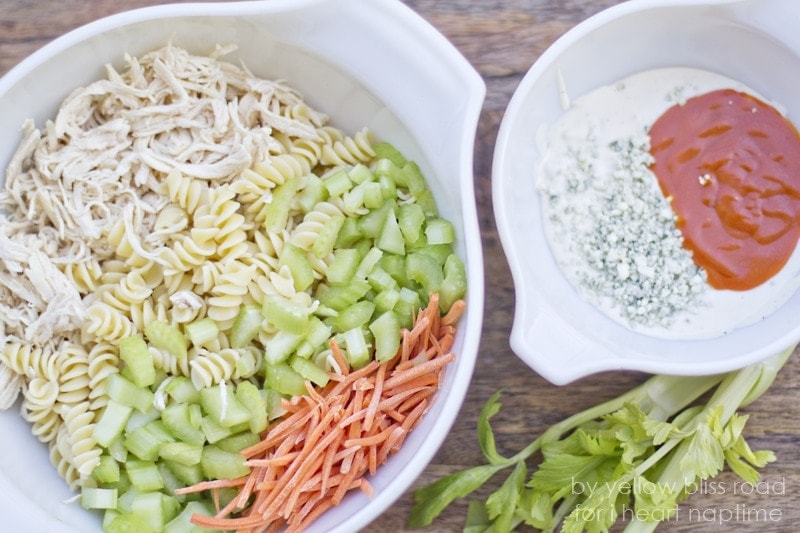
(386, 330)
(252, 400)
(309, 371)
(145, 441)
(219, 464)
(112, 423)
(286, 315)
(386, 300)
(312, 193)
(353, 200)
(167, 337)
(275, 408)
(182, 390)
(117, 449)
(374, 194)
(428, 203)
(388, 188)
(299, 265)
(343, 266)
(410, 218)
(181, 452)
(144, 475)
(354, 316)
(339, 297)
(439, 252)
(129, 523)
(338, 182)
(139, 419)
(385, 150)
(368, 262)
(221, 404)
(395, 265)
(392, 170)
(177, 420)
(454, 285)
(182, 523)
(439, 231)
(276, 213)
(186, 474)
(318, 335)
(360, 174)
(107, 470)
(172, 483)
(407, 306)
(283, 379)
(133, 351)
(424, 269)
(97, 498)
(371, 224)
(127, 393)
(390, 239)
(380, 280)
(326, 240)
(201, 332)
(415, 181)
(246, 326)
(240, 441)
(155, 508)
(213, 430)
(281, 346)
(356, 347)
(348, 234)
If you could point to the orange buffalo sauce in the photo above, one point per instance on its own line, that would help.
(731, 165)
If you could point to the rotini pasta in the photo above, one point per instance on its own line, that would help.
(211, 368)
(106, 323)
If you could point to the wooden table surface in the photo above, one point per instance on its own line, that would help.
(502, 39)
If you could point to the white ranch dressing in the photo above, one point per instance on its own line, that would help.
(596, 197)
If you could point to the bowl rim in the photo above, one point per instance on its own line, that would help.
(475, 89)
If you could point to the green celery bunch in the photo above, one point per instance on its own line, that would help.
(639, 454)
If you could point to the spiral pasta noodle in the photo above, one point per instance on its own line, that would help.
(211, 368)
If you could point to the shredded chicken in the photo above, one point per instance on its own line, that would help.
(105, 154)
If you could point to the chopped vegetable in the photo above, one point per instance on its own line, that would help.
(642, 451)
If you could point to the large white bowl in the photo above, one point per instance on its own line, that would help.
(373, 63)
(555, 331)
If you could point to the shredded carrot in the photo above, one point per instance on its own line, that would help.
(333, 437)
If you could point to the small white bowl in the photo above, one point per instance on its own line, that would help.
(375, 64)
(556, 332)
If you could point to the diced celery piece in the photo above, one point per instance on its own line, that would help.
(129, 523)
(133, 351)
(428, 203)
(439, 252)
(251, 399)
(337, 182)
(276, 213)
(186, 474)
(374, 194)
(286, 315)
(439, 231)
(155, 508)
(415, 181)
(360, 174)
(139, 419)
(354, 316)
(107, 470)
(219, 464)
(312, 193)
(126, 498)
(213, 430)
(371, 224)
(111, 423)
(385, 150)
(177, 420)
(356, 348)
(424, 269)
(454, 285)
(221, 404)
(108, 516)
(326, 240)
(395, 265)
(407, 306)
(117, 449)
(172, 483)
(281, 346)
(310, 371)
(282, 378)
(182, 523)
(348, 234)
(144, 475)
(97, 498)
(390, 239)
(167, 337)
(299, 265)
(318, 335)
(144, 442)
(410, 218)
(275, 408)
(368, 262)
(240, 441)
(388, 188)
(339, 297)
(201, 332)
(181, 452)
(343, 266)
(353, 200)
(386, 330)
(388, 168)
(182, 390)
(246, 326)
(380, 280)
(386, 300)
(127, 393)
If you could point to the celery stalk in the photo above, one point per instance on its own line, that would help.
(133, 351)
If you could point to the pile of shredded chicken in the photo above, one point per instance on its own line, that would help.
(102, 158)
